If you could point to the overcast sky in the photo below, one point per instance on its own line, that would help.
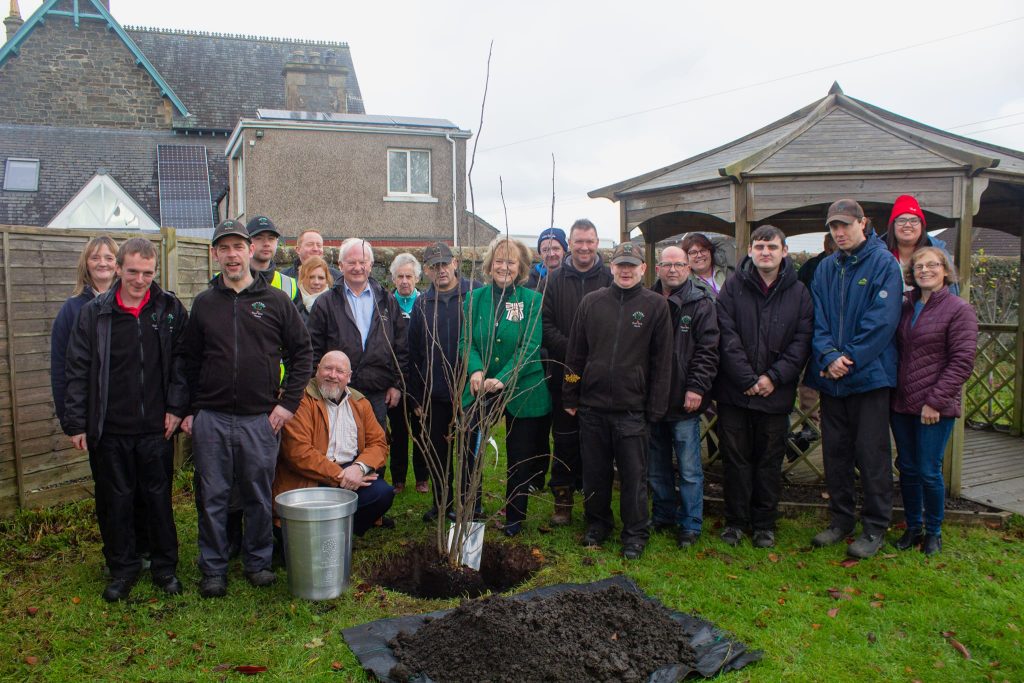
(614, 90)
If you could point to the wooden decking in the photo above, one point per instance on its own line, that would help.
(993, 470)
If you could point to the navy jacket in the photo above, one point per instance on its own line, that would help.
(63, 325)
(433, 335)
(857, 301)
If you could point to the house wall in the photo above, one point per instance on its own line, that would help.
(336, 181)
(65, 76)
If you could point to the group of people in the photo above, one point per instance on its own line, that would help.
(291, 379)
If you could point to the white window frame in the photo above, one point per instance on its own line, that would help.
(7, 175)
(409, 196)
(238, 167)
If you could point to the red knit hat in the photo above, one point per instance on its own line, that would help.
(907, 204)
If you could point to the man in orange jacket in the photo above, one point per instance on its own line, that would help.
(335, 440)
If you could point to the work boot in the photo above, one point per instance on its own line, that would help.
(764, 538)
(168, 583)
(563, 506)
(829, 536)
(119, 588)
(865, 546)
(213, 586)
(910, 538)
(932, 544)
(261, 578)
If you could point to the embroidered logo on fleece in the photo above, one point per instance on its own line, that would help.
(638, 319)
(257, 309)
(863, 281)
(684, 324)
(514, 311)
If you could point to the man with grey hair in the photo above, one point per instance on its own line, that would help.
(362, 319)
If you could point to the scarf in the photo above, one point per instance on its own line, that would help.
(307, 298)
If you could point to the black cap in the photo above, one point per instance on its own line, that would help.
(261, 224)
(229, 228)
(436, 253)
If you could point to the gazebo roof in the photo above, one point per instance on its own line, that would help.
(835, 135)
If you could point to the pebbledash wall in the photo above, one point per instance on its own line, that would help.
(336, 181)
(108, 90)
(38, 466)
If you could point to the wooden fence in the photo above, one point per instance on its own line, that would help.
(38, 466)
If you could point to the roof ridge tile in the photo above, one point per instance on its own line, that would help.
(236, 36)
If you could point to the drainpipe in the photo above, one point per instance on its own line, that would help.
(455, 195)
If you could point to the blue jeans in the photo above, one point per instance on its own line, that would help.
(683, 437)
(920, 450)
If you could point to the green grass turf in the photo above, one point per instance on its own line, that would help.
(892, 610)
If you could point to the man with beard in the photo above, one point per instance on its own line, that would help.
(335, 440)
(240, 323)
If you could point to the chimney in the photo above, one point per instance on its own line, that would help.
(14, 21)
(315, 82)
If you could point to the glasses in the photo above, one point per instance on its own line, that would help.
(913, 220)
(669, 265)
(931, 265)
(695, 253)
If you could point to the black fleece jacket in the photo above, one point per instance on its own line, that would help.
(695, 347)
(763, 334)
(619, 355)
(235, 346)
(565, 289)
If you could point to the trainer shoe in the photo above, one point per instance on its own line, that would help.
(261, 578)
(213, 586)
(865, 546)
(764, 538)
(731, 535)
(932, 544)
(830, 536)
(909, 539)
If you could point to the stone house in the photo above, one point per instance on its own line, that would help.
(120, 127)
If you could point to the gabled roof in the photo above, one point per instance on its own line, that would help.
(836, 134)
(994, 242)
(69, 157)
(90, 10)
(224, 77)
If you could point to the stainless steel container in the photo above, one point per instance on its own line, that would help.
(317, 526)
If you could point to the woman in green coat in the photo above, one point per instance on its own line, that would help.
(503, 353)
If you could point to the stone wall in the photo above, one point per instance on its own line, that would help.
(65, 76)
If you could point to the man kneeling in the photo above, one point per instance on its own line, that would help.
(335, 440)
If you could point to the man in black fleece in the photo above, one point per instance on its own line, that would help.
(581, 273)
(241, 330)
(618, 368)
(126, 396)
(766, 319)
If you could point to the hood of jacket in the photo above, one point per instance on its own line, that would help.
(748, 274)
(593, 271)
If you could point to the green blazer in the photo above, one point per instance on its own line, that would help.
(498, 351)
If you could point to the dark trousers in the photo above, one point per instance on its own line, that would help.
(374, 501)
(539, 463)
(234, 449)
(397, 420)
(752, 446)
(438, 424)
(134, 469)
(525, 444)
(566, 469)
(855, 433)
(620, 438)
(141, 525)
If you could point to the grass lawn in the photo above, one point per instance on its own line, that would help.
(883, 621)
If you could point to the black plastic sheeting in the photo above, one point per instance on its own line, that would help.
(717, 652)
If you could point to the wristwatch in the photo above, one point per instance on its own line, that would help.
(366, 469)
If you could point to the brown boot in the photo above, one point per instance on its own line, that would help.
(563, 506)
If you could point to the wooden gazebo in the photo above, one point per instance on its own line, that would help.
(788, 172)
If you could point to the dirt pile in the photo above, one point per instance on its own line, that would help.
(606, 635)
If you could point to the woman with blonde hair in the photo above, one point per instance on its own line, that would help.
(314, 279)
(502, 341)
(937, 339)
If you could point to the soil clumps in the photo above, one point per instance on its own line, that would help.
(606, 635)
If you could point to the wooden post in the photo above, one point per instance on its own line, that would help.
(19, 474)
(740, 207)
(953, 465)
(169, 262)
(623, 230)
(650, 254)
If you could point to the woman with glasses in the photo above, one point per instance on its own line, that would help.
(937, 339)
(908, 232)
(701, 253)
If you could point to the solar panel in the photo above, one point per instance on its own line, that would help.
(184, 187)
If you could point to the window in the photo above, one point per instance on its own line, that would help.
(22, 175)
(101, 204)
(409, 172)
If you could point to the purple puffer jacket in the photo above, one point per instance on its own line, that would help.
(936, 354)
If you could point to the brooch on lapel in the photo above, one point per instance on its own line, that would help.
(514, 311)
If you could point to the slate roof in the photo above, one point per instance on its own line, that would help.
(994, 242)
(69, 157)
(222, 77)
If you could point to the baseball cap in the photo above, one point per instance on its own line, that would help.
(261, 224)
(229, 227)
(436, 253)
(627, 252)
(844, 211)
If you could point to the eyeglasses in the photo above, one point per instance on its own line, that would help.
(913, 220)
(695, 253)
(931, 265)
(669, 265)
